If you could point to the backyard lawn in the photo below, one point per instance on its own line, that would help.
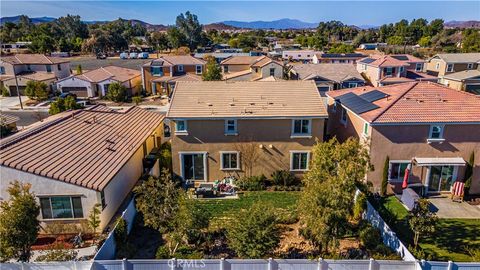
(220, 209)
(450, 240)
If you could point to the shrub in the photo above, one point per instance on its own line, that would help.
(162, 253)
(383, 190)
(283, 177)
(370, 237)
(360, 206)
(58, 253)
(124, 249)
(137, 100)
(36, 90)
(116, 92)
(252, 183)
(5, 92)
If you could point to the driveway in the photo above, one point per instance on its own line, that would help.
(445, 208)
(7, 102)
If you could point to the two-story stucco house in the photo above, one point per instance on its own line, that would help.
(28, 67)
(337, 58)
(77, 159)
(218, 127)
(446, 63)
(433, 128)
(390, 69)
(160, 75)
(251, 68)
(305, 56)
(328, 77)
(94, 83)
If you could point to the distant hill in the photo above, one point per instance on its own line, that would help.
(462, 24)
(16, 19)
(278, 24)
(218, 27)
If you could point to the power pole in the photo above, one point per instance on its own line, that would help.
(18, 91)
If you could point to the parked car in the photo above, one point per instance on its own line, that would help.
(65, 95)
(101, 56)
(124, 55)
(143, 55)
(133, 55)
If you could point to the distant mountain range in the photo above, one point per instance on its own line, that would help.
(232, 25)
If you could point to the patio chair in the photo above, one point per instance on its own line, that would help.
(457, 191)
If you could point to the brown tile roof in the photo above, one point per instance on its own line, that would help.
(419, 102)
(222, 99)
(119, 74)
(20, 59)
(86, 147)
(382, 61)
(240, 60)
(173, 60)
(38, 76)
(236, 74)
(6, 119)
(334, 72)
(264, 60)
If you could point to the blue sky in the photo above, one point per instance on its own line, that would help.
(164, 12)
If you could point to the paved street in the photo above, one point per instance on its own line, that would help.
(7, 102)
(27, 117)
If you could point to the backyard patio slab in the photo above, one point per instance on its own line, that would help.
(445, 208)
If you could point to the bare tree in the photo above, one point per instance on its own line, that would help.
(249, 154)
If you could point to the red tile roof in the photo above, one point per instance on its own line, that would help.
(20, 59)
(383, 61)
(86, 147)
(419, 102)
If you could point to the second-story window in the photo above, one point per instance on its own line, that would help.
(344, 116)
(401, 69)
(156, 71)
(365, 129)
(225, 69)
(29, 67)
(49, 68)
(272, 72)
(59, 67)
(231, 127)
(180, 68)
(436, 132)
(301, 127)
(198, 69)
(2, 70)
(419, 67)
(181, 126)
(388, 71)
(449, 67)
(470, 66)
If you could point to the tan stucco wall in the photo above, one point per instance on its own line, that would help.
(457, 85)
(265, 71)
(208, 136)
(371, 73)
(235, 68)
(432, 67)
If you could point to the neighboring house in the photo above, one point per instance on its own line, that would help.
(337, 58)
(31, 67)
(94, 83)
(432, 127)
(328, 77)
(371, 46)
(383, 70)
(77, 159)
(8, 123)
(467, 80)
(160, 75)
(231, 129)
(251, 68)
(298, 55)
(220, 56)
(445, 63)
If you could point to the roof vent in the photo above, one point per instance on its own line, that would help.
(270, 103)
(231, 104)
(209, 104)
(109, 141)
(252, 103)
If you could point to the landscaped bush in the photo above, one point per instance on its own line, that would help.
(57, 253)
(360, 206)
(252, 183)
(370, 237)
(123, 247)
(5, 92)
(283, 178)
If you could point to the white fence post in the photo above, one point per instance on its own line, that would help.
(270, 264)
(124, 264)
(371, 266)
(222, 263)
(173, 266)
(450, 265)
(321, 264)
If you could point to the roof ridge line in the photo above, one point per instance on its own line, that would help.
(394, 102)
(51, 62)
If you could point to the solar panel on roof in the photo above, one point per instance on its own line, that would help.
(368, 60)
(355, 103)
(373, 95)
(400, 57)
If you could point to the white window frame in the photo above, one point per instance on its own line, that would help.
(390, 165)
(352, 83)
(299, 152)
(197, 67)
(180, 68)
(401, 69)
(364, 67)
(440, 138)
(367, 126)
(205, 163)
(388, 69)
(160, 74)
(49, 197)
(222, 166)
(302, 135)
(419, 67)
(234, 132)
(2, 70)
(437, 66)
(450, 67)
(344, 113)
(334, 107)
(181, 132)
(470, 66)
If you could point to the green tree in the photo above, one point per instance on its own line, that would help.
(425, 41)
(116, 92)
(156, 199)
(383, 187)
(254, 233)
(395, 40)
(470, 40)
(341, 48)
(469, 173)
(213, 71)
(57, 106)
(190, 27)
(19, 225)
(325, 205)
(94, 217)
(79, 69)
(421, 220)
(137, 100)
(36, 90)
(176, 38)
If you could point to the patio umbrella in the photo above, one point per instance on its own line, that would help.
(405, 177)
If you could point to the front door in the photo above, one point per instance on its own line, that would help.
(193, 166)
(441, 178)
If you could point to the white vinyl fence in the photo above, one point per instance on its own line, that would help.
(389, 237)
(107, 250)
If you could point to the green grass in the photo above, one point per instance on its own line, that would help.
(221, 209)
(450, 240)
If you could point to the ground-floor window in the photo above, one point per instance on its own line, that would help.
(441, 178)
(59, 207)
(193, 166)
(299, 160)
(229, 160)
(397, 170)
